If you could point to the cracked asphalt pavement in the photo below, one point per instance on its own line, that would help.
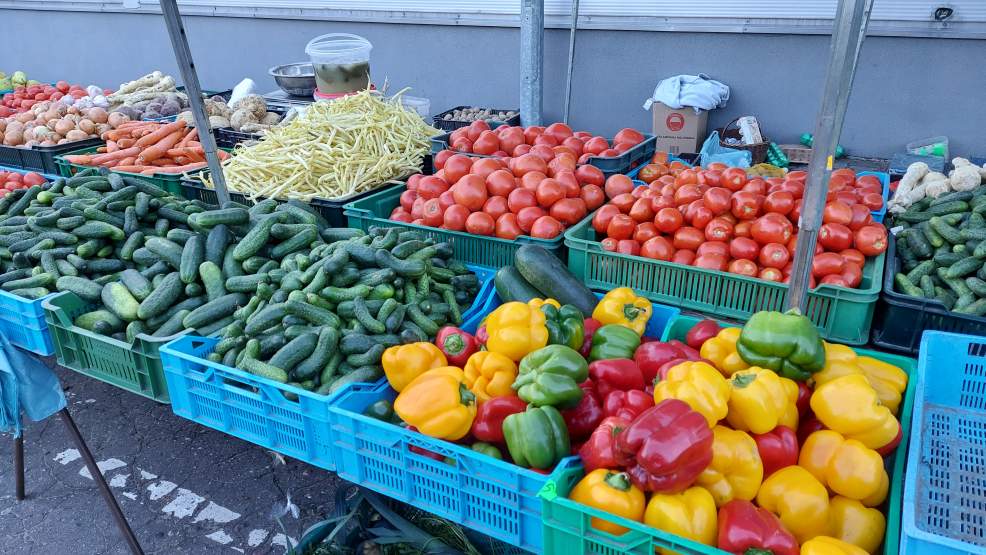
(185, 488)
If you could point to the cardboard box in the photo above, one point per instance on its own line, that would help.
(679, 131)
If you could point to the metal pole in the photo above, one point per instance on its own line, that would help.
(183, 55)
(97, 476)
(848, 32)
(531, 61)
(571, 58)
(19, 467)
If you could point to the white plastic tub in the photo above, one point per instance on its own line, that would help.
(342, 62)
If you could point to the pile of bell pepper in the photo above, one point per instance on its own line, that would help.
(760, 437)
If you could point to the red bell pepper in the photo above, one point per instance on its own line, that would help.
(807, 427)
(585, 416)
(627, 404)
(589, 327)
(745, 528)
(488, 424)
(481, 335)
(804, 398)
(598, 452)
(615, 374)
(666, 447)
(889, 448)
(702, 331)
(778, 448)
(456, 344)
(422, 451)
(651, 356)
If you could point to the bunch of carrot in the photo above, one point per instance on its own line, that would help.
(148, 147)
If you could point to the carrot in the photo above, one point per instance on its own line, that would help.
(179, 169)
(192, 152)
(164, 162)
(83, 159)
(118, 155)
(128, 161)
(193, 135)
(162, 132)
(125, 143)
(129, 169)
(111, 146)
(160, 149)
(223, 155)
(101, 150)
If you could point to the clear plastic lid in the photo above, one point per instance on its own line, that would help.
(339, 48)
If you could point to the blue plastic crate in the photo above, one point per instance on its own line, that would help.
(486, 290)
(23, 322)
(885, 179)
(944, 489)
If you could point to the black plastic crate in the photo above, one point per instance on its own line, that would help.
(900, 320)
(41, 158)
(227, 137)
(900, 161)
(452, 125)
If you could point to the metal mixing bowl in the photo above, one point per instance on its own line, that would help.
(297, 79)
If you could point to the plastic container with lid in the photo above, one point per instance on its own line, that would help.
(342, 62)
(933, 146)
(420, 105)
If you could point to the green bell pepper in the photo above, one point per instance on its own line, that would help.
(382, 410)
(551, 376)
(487, 449)
(787, 343)
(613, 341)
(565, 325)
(536, 438)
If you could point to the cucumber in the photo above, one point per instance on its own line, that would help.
(38, 280)
(32, 293)
(245, 284)
(94, 229)
(169, 251)
(117, 298)
(407, 267)
(216, 242)
(948, 232)
(975, 308)
(905, 286)
(363, 374)
(212, 278)
(923, 269)
(928, 286)
(254, 240)
(333, 234)
(214, 310)
(328, 340)
(934, 238)
(265, 318)
(172, 325)
(65, 268)
(977, 285)
(136, 283)
(963, 267)
(511, 286)
(90, 320)
(223, 216)
(297, 242)
(546, 273)
(313, 314)
(230, 266)
(918, 244)
(264, 370)
(162, 298)
(295, 351)
(191, 256)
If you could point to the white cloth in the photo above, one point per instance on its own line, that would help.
(697, 91)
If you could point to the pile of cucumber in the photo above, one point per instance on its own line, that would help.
(537, 273)
(942, 251)
(322, 319)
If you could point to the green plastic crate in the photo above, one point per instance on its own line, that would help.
(567, 524)
(134, 367)
(375, 209)
(842, 315)
(170, 182)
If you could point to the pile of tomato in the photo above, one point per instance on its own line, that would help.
(23, 98)
(11, 181)
(719, 218)
(515, 141)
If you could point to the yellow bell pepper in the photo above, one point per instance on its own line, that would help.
(759, 400)
(538, 303)
(612, 492)
(699, 385)
(489, 375)
(403, 363)
(853, 523)
(438, 404)
(721, 351)
(515, 329)
(690, 514)
(840, 360)
(825, 545)
(624, 307)
(850, 406)
(887, 380)
(845, 466)
(798, 499)
(736, 470)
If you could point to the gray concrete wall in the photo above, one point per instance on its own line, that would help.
(905, 89)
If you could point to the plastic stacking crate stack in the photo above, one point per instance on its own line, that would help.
(944, 491)
(287, 419)
(488, 495)
(42, 159)
(568, 525)
(22, 322)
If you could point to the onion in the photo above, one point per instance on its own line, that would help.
(116, 119)
(63, 126)
(76, 135)
(24, 117)
(97, 114)
(102, 128)
(47, 143)
(87, 126)
(50, 114)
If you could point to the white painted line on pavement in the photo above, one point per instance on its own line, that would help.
(104, 467)
(67, 456)
(160, 489)
(119, 481)
(220, 536)
(217, 514)
(184, 504)
(257, 537)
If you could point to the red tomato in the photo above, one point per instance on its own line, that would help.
(430, 187)
(835, 237)
(617, 184)
(755, 186)
(717, 200)
(719, 229)
(852, 274)
(487, 143)
(407, 199)
(399, 215)
(628, 136)
(837, 212)
(446, 199)
(484, 167)
(774, 255)
(569, 211)
(587, 174)
(500, 182)
(796, 188)
(531, 180)
(476, 128)
(797, 175)
(779, 202)
(734, 178)
(860, 216)
(570, 183)
(650, 172)
(412, 182)
(641, 210)
(457, 166)
(548, 192)
(511, 138)
(507, 227)
(698, 215)
(686, 177)
(593, 196)
(628, 246)
(659, 202)
(713, 247)
(470, 192)
(529, 163)
(609, 244)
(658, 248)
(455, 217)
(496, 206)
(417, 209)
(683, 256)
(771, 228)
(742, 229)
(745, 206)
(744, 247)
(574, 144)
(621, 226)
(600, 220)
(595, 145)
(520, 150)
(688, 238)
(432, 213)
(686, 194)
(645, 231)
(834, 279)
(668, 220)
(527, 216)
(873, 201)
(624, 202)
(827, 263)
(480, 223)
(521, 198)
(711, 262)
(871, 240)
(869, 181)
(559, 131)
(546, 227)
(853, 256)
(771, 274)
(743, 267)
(543, 151)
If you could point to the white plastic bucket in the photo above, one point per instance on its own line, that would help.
(338, 48)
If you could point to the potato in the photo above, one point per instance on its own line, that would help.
(64, 125)
(76, 135)
(24, 117)
(97, 115)
(86, 126)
